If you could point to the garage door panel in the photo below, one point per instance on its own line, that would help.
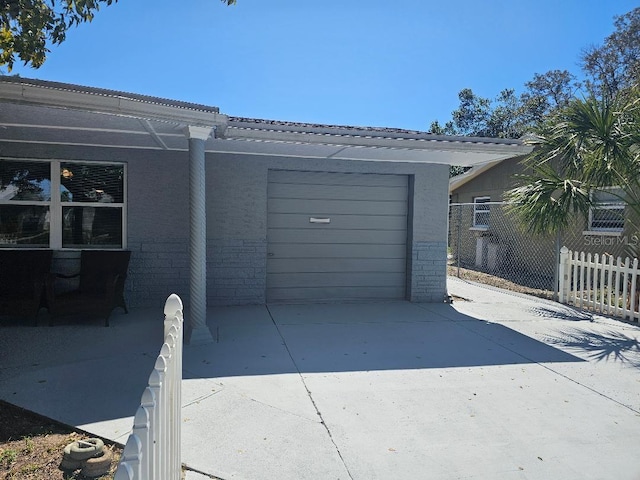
(334, 207)
(310, 294)
(318, 250)
(338, 192)
(335, 279)
(333, 178)
(285, 235)
(359, 254)
(354, 222)
(328, 265)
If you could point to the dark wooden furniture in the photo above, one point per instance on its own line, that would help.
(100, 289)
(22, 278)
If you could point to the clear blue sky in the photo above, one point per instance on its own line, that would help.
(359, 62)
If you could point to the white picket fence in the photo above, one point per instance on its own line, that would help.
(152, 451)
(600, 283)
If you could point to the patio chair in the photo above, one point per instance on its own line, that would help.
(22, 278)
(100, 289)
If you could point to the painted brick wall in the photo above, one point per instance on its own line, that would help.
(158, 221)
(236, 271)
(429, 268)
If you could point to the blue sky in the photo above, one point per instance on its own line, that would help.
(341, 62)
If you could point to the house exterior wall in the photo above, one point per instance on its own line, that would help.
(531, 253)
(157, 208)
(493, 183)
(237, 228)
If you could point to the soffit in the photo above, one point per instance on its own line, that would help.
(61, 114)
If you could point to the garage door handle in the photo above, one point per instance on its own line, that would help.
(270, 254)
(319, 220)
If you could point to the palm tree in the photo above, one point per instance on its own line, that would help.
(587, 146)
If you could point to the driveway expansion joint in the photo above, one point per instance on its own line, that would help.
(315, 406)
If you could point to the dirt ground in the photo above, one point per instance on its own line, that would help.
(487, 279)
(31, 447)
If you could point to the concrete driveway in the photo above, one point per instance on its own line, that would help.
(495, 386)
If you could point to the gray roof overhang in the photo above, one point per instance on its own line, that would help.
(35, 111)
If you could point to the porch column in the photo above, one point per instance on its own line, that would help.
(199, 332)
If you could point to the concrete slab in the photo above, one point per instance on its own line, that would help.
(499, 386)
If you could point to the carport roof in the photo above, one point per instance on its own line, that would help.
(37, 111)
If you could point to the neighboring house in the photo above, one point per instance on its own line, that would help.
(225, 210)
(492, 239)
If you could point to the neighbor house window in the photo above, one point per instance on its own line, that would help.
(59, 204)
(607, 210)
(481, 212)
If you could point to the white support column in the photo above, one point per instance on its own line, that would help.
(200, 333)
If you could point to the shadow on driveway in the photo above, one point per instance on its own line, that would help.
(87, 374)
(365, 337)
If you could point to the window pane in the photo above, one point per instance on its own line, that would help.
(607, 219)
(87, 227)
(89, 182)
(24, 226)
(481, 219)
(26, 181)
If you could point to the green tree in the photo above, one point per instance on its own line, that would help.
(28, 26)
(614, 66)
(587, 146)
(546, 93)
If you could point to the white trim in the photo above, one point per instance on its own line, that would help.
(459, 180)
(603, 233)
(476, 211)
(200, 133)
(71, 96)
(55, 204)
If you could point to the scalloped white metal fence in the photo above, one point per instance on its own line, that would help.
(603, 284)
(152, 451)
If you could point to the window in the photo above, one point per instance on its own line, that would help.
(87, 212)
(481, 212)
(607, 211)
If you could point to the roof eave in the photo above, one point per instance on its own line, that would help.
(106, 101)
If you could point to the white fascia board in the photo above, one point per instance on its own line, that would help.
(357, 153)
(476, 170)
(452, 151)
(109, 104)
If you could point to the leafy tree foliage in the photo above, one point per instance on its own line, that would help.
(615, 65)
(510, 115)
(587, 146)
(612, 71)
(591, 143)
(28, 26)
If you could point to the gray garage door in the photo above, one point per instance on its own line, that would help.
(336, 236)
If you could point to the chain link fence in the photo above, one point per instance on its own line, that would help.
(486, 245)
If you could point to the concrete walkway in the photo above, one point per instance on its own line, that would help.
(495, 386)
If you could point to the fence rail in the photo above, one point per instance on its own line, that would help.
(600, 283)
(152, 451)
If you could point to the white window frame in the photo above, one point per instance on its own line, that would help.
(56, 204)
(476, 211)
(616, 205)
